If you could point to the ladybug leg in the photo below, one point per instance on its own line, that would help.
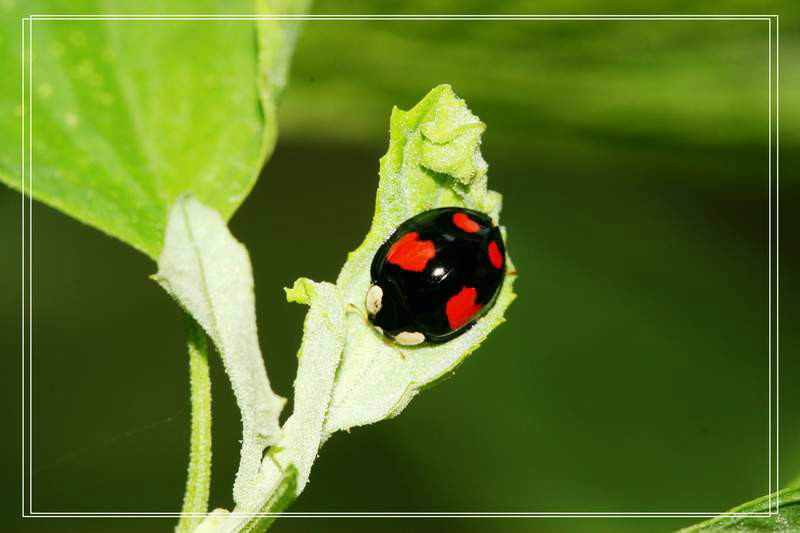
(512, 273)
(398, 350)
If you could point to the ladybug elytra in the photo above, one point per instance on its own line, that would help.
(436, 275)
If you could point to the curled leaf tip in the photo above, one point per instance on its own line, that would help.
(301, 292)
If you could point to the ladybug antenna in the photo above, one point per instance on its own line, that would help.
(359, 311)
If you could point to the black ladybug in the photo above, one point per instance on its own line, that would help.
(438, 273)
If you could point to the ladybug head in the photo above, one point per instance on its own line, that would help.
(387, 313)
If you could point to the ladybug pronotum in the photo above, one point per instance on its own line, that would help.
(435, 276)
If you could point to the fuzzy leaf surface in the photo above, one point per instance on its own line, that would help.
(302, 434)
(208, 273)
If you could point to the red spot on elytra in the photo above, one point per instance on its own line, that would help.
(495, 256)
(410, 253)
(463, 222)
(462, 307)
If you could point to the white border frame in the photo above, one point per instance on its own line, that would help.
(773, 104)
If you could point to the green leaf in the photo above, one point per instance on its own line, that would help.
(129, 114)
(302, 434)
(786, 520)
(208, 272)
(433, 160)
(198, 483)
(318, 357)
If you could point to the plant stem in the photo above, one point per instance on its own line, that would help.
(195, 500)
(283, 494)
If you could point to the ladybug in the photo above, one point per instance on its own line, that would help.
(435, 276)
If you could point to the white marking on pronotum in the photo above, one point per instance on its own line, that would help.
(409, 338)
(374, 299)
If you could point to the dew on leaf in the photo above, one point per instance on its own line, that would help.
(85, 68)
(45, 90)
(71, 120)
(56, 49)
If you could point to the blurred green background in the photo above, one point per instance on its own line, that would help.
(632, 372)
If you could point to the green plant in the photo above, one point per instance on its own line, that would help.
(131, 177)
(125, 170)
(131, 126)
(347, 376)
